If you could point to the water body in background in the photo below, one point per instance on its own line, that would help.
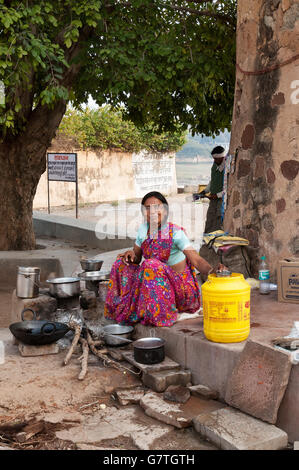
(194, 161)
(193, 173)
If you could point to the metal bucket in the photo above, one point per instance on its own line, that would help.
(28, 282)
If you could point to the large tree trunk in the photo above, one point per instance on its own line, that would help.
(263, 191)
(22, 162)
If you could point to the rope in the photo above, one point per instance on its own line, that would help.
(269, 69)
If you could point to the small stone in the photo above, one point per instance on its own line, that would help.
(103, 406)
(203, 392)
(127, 397)
(21, 436)
(177, 393)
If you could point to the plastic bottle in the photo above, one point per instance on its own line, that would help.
(264, 276)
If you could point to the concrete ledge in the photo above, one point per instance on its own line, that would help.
(75, 230)
(211, 363)
(10, 260)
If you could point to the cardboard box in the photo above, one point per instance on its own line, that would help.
(288, 280)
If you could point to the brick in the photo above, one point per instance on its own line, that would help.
(167, 364)
(159, 381)
(203, 392)
(258, 381)
(28, 350)
(230, 429)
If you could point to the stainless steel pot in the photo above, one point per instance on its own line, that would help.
(117, 335)
(94, 276)
(121, 330)
(28, 280)
(64, 287)
(91, 264)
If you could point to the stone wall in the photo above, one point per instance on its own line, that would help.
(108, 176)
(263, 191)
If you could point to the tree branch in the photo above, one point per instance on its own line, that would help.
(209, 14)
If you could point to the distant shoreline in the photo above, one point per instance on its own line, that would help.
(191, 162)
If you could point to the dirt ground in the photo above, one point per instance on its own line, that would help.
(43, 399)
(44, 406)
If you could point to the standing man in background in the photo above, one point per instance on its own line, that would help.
(214, 190)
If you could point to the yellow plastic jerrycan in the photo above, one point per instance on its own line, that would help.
(226, 307)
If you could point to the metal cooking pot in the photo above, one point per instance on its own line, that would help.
(149, 350)
(37, 332)
(91, 264)
(94, 276)
(117, 335)
(28, 280)
(64, 287)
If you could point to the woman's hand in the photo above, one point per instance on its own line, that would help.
(128, 257)
(220, 267)
(201, 264)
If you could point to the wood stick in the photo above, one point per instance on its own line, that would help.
(77, 328)
(84, 356)
(102, 355)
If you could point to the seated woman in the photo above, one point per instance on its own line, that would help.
(165, 283)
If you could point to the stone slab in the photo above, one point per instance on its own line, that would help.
(259, 380)
(230, 429)
(167, 364)
(113, 423)
(159, 381)
(175, 414)
(27, 350)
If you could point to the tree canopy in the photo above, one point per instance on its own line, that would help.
(165, 61)
(104, 128)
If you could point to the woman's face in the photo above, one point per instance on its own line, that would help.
(154, 211)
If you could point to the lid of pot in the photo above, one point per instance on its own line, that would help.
(28, 269)
(63, 280)
(148, 343)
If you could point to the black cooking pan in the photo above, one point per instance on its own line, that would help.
(38, 332)
(149, 350)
